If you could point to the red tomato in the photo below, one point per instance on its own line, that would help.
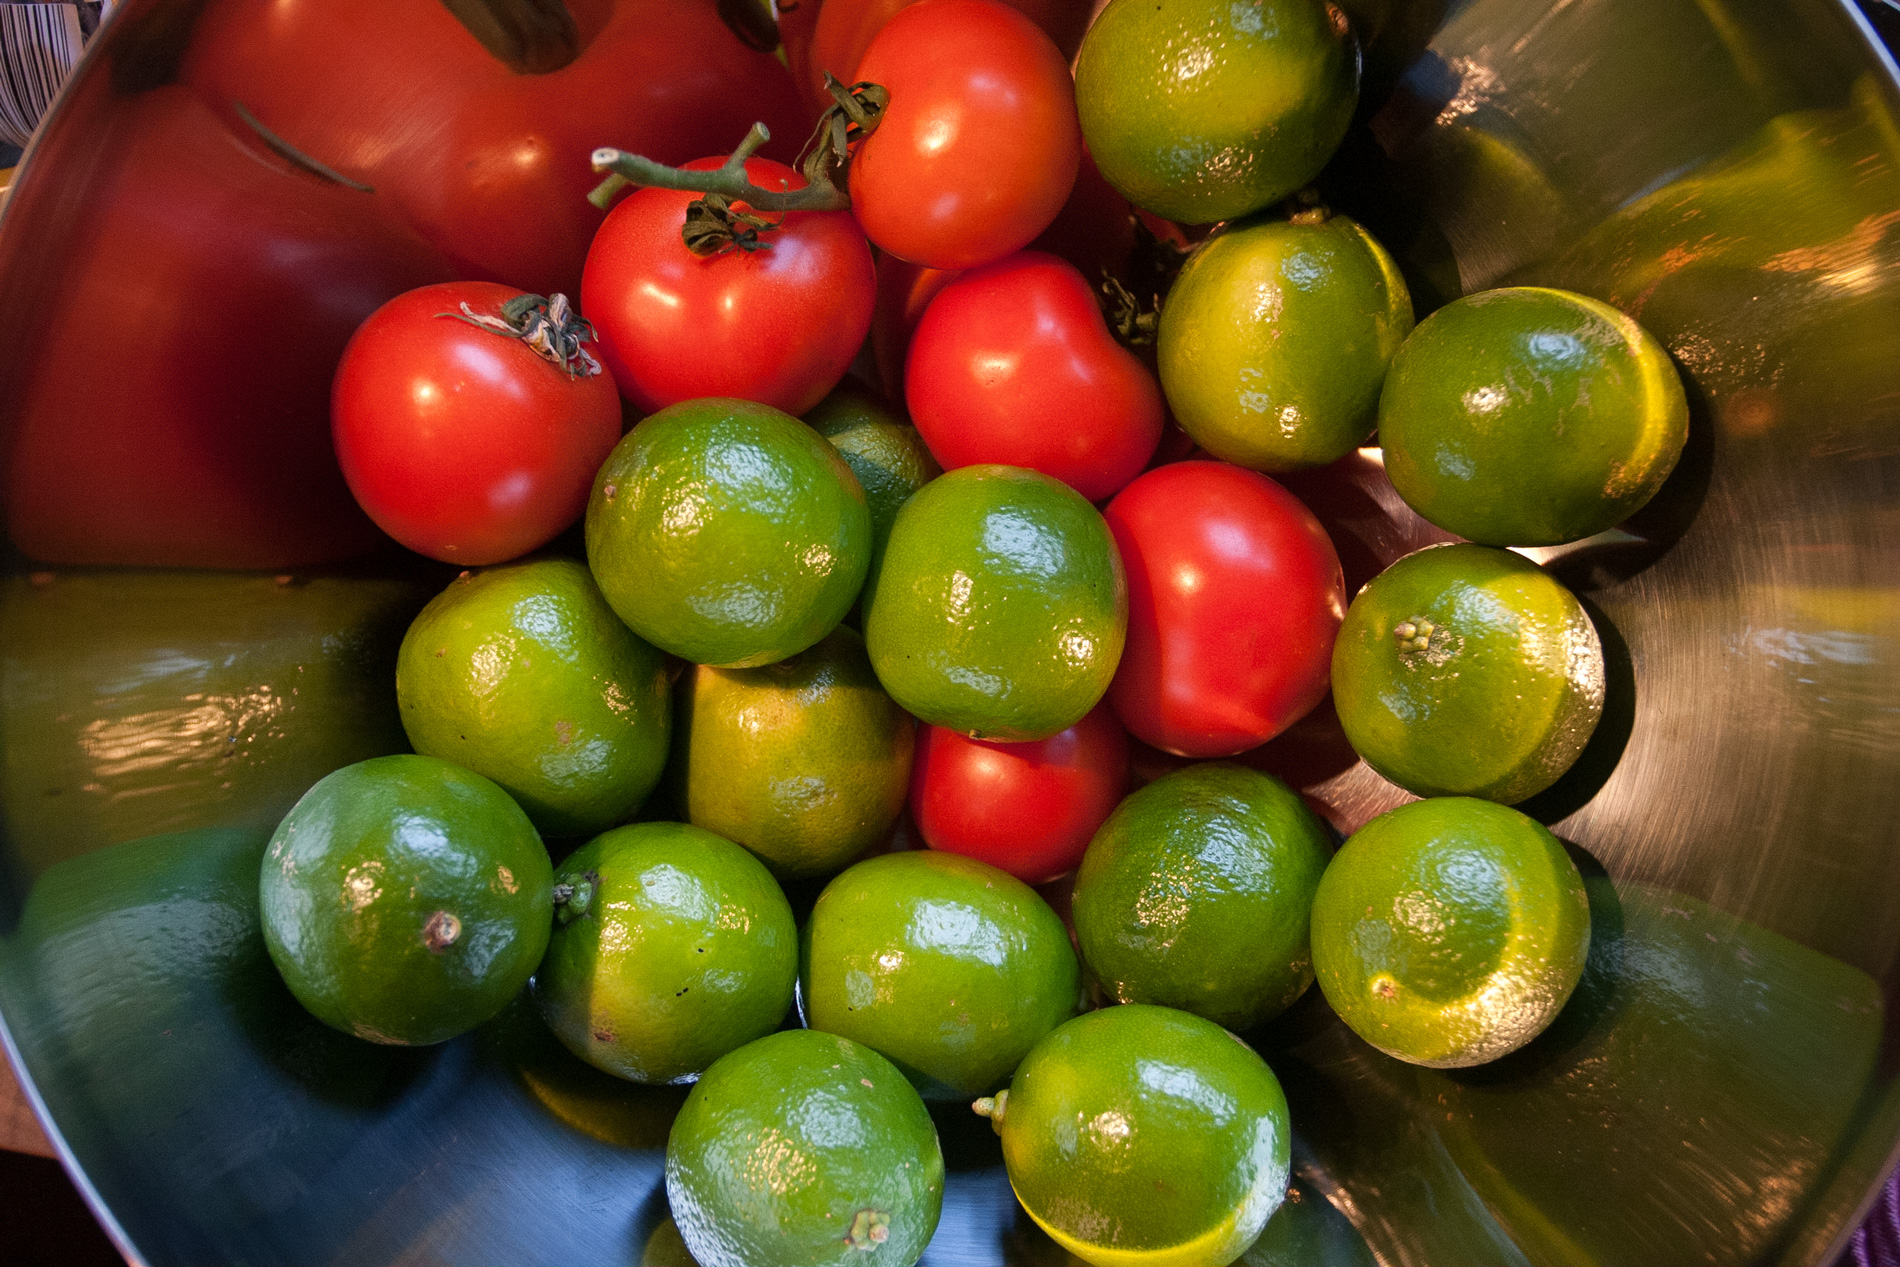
(1013, 363)
(833, 38)
(1234, 599)
(979, 145)
(174, 411)
(463, 444)
(1028, 808)
(491, 164)
(779, 325)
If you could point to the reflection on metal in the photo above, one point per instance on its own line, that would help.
(1725, 1089)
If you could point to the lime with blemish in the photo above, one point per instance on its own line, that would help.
(1140, 1136)
(671, 947)
(1450, 932)
(804, 1149)
(948, 966)
(1528, 416)
(405, 900)
(524, 674)
(1463, 670)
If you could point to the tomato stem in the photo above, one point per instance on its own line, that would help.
(728, 216)
(547, 325)
(294, 156)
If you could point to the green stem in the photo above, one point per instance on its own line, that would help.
(294, 156)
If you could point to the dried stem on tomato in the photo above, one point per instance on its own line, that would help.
(730, 213)
(548, 325)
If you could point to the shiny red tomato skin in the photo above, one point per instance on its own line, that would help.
(1013, 363)
(462, 444)
(779, 325)
(979, 146)
(1027, 808)
(1234, 599)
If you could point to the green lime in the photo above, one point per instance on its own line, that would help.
(1462, 670)
(727, 532)
(1141, 1136)
(805, 762)
(1528, 416)
(523, 674)
(1449, 932)
(886, 453)
(951, 968)
(1203, 110)
(1275, 340)
(405, 900)
(1195, 894)
(800, 1150)
(671, 947)
(999, 607)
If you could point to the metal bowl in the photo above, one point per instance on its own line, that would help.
(1721, 1090)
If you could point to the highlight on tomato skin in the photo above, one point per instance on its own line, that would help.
(461, 442)
(1235, 597)
(980, 144)
(1026, 808)
(778, 324)
(1013, 363)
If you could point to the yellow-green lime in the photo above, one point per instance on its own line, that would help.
(405, 900)
(1463, 670)
(1195, 894)
(671, 947)
(946, 965)
(885, 452)
(1528, 416)
(1141, 1136)
(999, 607)
(1203, 110)
(1275, 339)
(1450, 932)
(523, 674)
(727, 532)
(805, 762)
(804, 1149)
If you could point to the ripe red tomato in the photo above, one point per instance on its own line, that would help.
(144, 436)
(1027, 808)
(489, 163)
(1234, 598)
(463, 444)
(1013, 363)
(979, 146)
(778, 325)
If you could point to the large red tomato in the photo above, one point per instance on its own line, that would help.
(979, 145)
(779, 325)
(1027, 808)
(1234, 599)
(488, 162)
(462, 443)
(1013, 363)
(175, 409)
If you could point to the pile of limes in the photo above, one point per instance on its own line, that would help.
(770, 609)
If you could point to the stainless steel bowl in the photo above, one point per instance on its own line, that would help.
(1723, 1088)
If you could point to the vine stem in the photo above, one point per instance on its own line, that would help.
(728, 180)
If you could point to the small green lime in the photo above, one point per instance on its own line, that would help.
(523, 674)
(1141, 1136)
(1195, 894)
(886, 453)
(671, 947)
(1275, 340)
(951, 968)
(1463, 670)
(405, 900)
(1450, 932)
(805, 762)
(804, 1150)
(1203, 110)
(727, 532)
(999, 606)
(1528, 416)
